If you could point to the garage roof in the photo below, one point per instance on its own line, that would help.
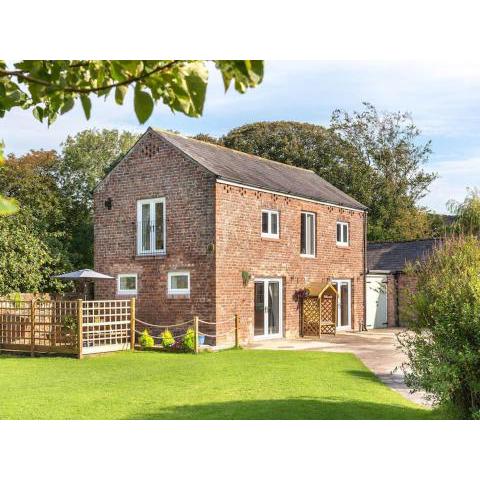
(392, 256)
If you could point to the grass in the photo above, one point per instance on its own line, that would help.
(234, 384)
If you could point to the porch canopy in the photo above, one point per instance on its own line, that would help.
(83, 277)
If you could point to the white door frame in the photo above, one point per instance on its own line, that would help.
(383, 281)
(349, 303)
(265, 282)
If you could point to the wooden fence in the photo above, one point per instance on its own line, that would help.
(69, 327)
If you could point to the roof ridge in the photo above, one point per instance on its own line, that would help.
(269, 160)
(378, 242)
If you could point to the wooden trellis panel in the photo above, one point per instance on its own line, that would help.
(15, 324)
(319, 313)
(311, 316)
(38, 326)
(106, 326)
(328, 318)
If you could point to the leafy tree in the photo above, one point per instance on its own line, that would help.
(294, 143)
(384, 156)
(467, 213)
(443, 341)
(205, 137)
(41, 221)
(52, 87)
(25, 261)
(84, 161)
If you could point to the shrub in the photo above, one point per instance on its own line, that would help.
(443, 344)
(167, 339)
(146, 340)
(189, 340)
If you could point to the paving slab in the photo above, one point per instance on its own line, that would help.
(378, 349)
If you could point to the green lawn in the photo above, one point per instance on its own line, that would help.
(234, 384)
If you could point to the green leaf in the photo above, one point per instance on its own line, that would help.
(120, 93)
(38, 113)
(8, 206)
(87, 105)
(67, 106)
(2, 146)
(143, 105)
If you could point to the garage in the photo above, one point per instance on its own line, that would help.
(376, 301)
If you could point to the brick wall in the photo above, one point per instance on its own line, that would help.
(240, 247)
(154, 169)
(399, 290)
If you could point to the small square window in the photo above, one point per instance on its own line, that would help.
(342, 234)
(127, 284)
(178, 283)
(270, 224)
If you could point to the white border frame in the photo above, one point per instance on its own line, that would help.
(151, 201)
(308, 255)
(178, 291)
(349, 282)
(270, 235)
(127, 292)
(342, 244)
(265, 300)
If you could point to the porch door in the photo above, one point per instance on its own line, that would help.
(268, 308)
(344, 304)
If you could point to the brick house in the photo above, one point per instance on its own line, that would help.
(192, 228)
(388, 286)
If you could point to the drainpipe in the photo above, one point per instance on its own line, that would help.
(363, 325)
(397, 299)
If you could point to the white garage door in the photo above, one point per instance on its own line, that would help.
(376, 301)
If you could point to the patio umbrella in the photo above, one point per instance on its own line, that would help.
(83, 276)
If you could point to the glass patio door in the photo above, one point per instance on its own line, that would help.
(344, 289)
(268, 308)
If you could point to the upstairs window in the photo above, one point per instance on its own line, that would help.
(270, 224)
(307, 234)
(127, 284)
(342, 234)
(151, 238)
(178, 283)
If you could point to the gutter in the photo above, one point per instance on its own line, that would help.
(363, 327)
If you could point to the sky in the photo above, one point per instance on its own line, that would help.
(443, 99)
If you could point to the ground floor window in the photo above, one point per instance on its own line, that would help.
(127, 284)
(178, 283)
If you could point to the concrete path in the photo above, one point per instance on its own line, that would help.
(377, 349)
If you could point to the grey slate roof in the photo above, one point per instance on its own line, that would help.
(393, 256)
(234, 166)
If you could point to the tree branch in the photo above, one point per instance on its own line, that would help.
(29, 79)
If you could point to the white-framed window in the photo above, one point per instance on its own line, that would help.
(307, 234)
(127, 284)
(342, 234)
(270, 224)
(178, 283)
(151, 226)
